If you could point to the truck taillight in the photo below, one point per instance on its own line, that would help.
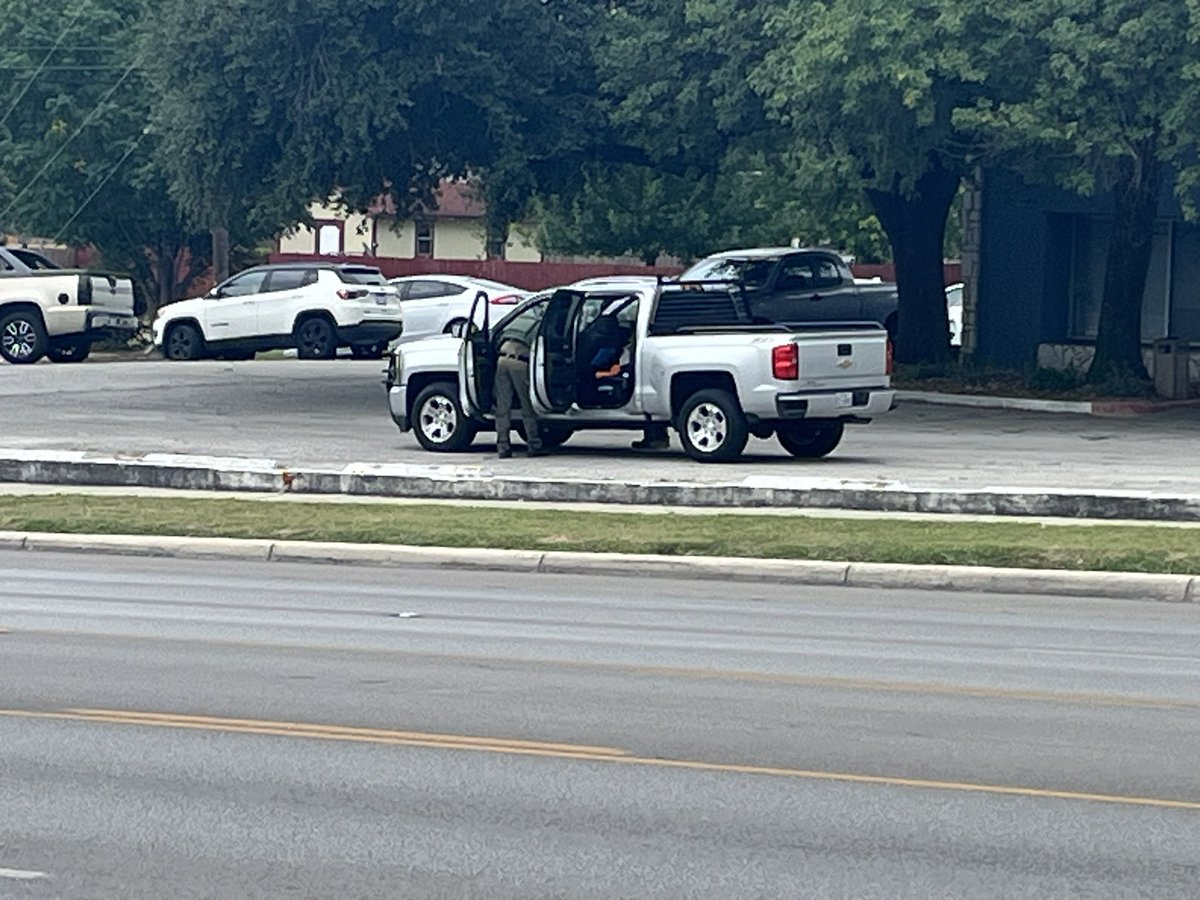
(891, 357)
(785, 362)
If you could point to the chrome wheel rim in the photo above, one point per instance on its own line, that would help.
(19, 339)
(438, 419)
(707, 427)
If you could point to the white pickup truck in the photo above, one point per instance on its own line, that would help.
(48, 311)
(686, 355)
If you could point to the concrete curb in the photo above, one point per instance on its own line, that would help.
(1109, 585)
(1033, 404)
(461, 483)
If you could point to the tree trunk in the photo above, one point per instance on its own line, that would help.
(916, 227)
(1119, 335)
(220, 254)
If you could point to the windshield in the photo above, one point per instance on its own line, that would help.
(750, 273)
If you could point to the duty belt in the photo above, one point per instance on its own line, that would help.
(519, 357)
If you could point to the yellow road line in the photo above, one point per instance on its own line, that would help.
(565, 751)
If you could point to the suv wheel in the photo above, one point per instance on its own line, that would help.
(810, 440)
(439, 422)
(315, 339)
(183, 342)
(712, 427)
(69, 353)
(22, 337)
(368, 351)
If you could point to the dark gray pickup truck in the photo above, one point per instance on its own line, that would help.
(793, 285)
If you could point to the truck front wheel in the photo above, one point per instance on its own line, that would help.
(438, 421)
(22, 337)
(810, 440)
(712, 427)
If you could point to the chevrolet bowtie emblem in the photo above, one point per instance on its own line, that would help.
(845, 363)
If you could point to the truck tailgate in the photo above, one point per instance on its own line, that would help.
(110, 293)
(833, 357)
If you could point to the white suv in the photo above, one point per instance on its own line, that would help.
(313, 307)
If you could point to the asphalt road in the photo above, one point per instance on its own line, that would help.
(173, 728)
(333, 414)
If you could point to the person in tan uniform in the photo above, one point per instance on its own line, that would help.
(512, 378)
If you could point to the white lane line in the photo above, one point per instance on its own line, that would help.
(21, 874)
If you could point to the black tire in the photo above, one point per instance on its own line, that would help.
(712, 427)
(438, 421)
(315, 339)
(810, 440)
(69, 353)
(183, 342)
(555, 435)
(456, 327)
(23, 338)
(368, 351)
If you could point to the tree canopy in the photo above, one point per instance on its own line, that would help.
(77, 161)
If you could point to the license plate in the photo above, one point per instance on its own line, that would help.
(381, 301)
(843, 399)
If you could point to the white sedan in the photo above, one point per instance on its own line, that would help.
(441, 304)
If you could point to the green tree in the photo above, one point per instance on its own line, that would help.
(627, 209)
(263, 105)
(1110, 106)
(857, 96)
(77, 159)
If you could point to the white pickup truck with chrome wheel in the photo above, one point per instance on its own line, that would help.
(47, 311)
(625, 356)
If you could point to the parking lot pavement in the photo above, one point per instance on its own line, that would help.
(332, 414)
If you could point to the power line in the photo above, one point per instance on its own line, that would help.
(99, 187)
(45, 60)
(62, 149)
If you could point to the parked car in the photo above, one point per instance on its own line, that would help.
(58, 313)
(313, 307)
(800, 285)
(441, 304)
(691, 357)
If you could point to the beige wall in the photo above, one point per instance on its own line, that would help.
(458, 239)
(521, 247)
(304, 239)
(396, 239)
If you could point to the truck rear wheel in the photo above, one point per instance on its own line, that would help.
(438, 421)
(712, 427)
(810, 440)
(22, 337)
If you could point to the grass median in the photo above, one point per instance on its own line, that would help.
(890, 540)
